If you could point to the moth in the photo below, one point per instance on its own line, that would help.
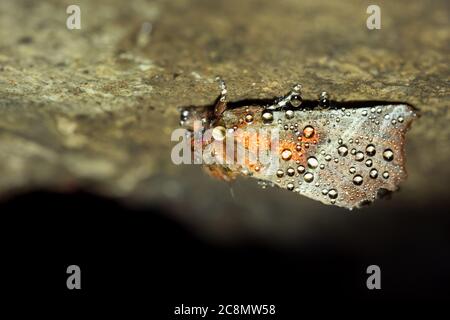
(339, 153)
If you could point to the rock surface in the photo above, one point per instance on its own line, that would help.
(94, 108)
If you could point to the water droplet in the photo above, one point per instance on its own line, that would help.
(370, 150)
(373, 173)
(298, 147)
(267, 117)
(328, 157)
(280, 173)
(290, 171)
(308, 131)
(322, 166)
(289, 114)
(301, 169)
(385, 174)
(352, 170)
(369, 162)
(364, 113)
(290, 186)
(324, 192)
(353, 151)
(388, 155)
(359, 156)
(333, 194)
(296, 100)
(248, 118)
(219, 133)
(358, 180)
(286, 154)
(342, 150)
(312, 162)
(400, 119)
(308, 177)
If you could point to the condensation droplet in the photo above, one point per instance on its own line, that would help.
(373, 173)
(301, 169)
(370, 150)
(290, 171)
(308, 177)
(369, 162)
(333, 194)
(286, 154)
(308, 131)
(385, 174)
(267, 117)
(358, 180)
(290, 186)
(289, 114)
(248, 118)
(312, 162)
(342, 150)
(280, 173)
(352, 170)
(388, 155)
(359, 156)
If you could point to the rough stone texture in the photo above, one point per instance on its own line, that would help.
(94, 108)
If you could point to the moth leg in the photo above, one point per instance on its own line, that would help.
(221, 104)
(219, 172)
(292, 99)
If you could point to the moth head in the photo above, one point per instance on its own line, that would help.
(191, 118)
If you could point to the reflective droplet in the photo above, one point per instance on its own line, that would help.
(400, 119)
(324, 192)
(328, 157)
(298, 147)
(342, 150)
(248, 118)
(301, 169)
(219, 133)
(296, 100)
(370, 150)
(373, 173)
(290, 186)
(290, 171)
(358, 180)
(308, 177)
(267, 117)
(322, 166)
(369, 162)
(385, 174)
(359, 156)
(388, 155)
(286, 154)
(308, 131)
(312, 162)
(352, 170)
(353, 151)
(280, 173)
(289, 114)
(333, 194)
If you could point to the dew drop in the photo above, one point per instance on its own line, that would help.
(289, 114)
(328, 157)
(308, 177)
(370, 150)
(296, 100)
(388, 155)
(352, 170)
(373, 173)
(301, 169)
(369, 162)
(333, 194)
(290, 186)
(359, 156)
(267, 117)
(290, 171)
(358, 180)
(286, 154)
(248, 118)
(386, 175)
(312, 162)
(343, 150)
(308, 131)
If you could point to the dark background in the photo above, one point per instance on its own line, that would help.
(143, 258)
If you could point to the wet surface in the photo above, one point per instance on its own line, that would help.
(94, 108)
